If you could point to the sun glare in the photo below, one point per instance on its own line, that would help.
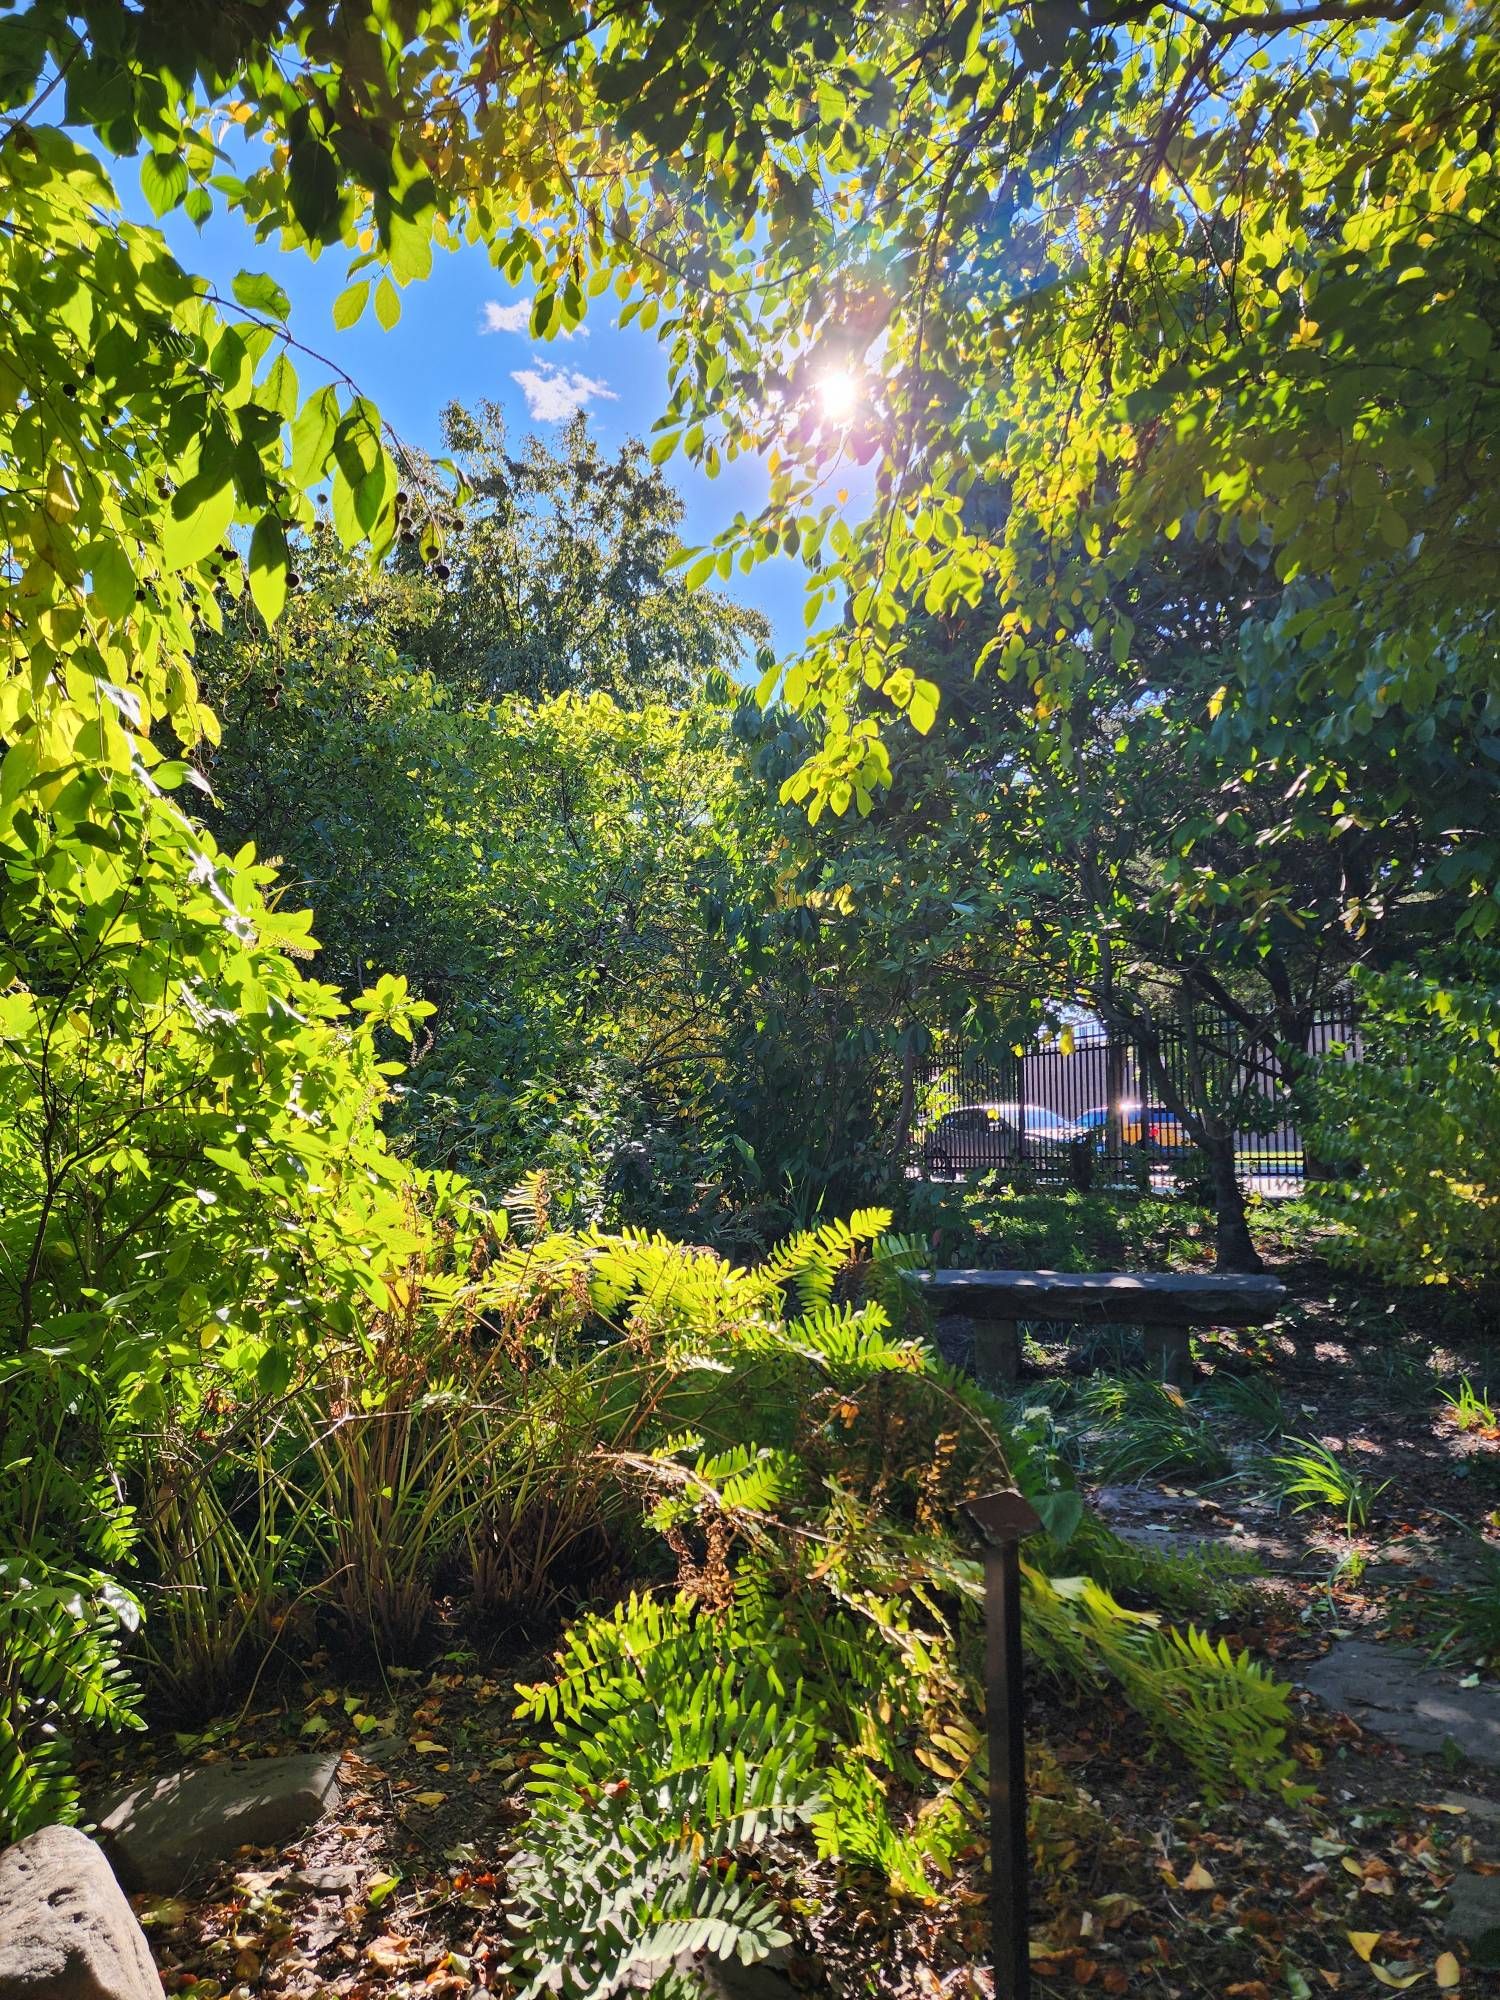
(838, 394)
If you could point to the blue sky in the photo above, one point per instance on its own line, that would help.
(463, 334)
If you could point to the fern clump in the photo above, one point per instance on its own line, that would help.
(61, 1634)
(814, 1669)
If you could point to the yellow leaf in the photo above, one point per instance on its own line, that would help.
(428, 1798)
(1390, 1979)
(1364, 1942)
(428, 1748)
(1446, 1972)
(1197, 1877)
(62, 500)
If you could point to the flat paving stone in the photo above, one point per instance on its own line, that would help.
(1396, 1694)
(1474, 1918)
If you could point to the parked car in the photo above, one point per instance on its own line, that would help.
(1160, 1131)
(989, 1135)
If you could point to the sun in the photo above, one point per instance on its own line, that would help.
(838, 394)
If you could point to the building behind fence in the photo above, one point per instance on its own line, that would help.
(1041, 1098)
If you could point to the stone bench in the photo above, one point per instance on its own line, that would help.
(1164, 1304)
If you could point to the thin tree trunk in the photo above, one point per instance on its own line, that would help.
(1233, 1247)
(901, 1137)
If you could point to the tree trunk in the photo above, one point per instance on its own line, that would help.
(901, 1137)
(1114, 1092)
(1234, 1250)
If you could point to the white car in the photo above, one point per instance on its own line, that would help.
(989, 1135)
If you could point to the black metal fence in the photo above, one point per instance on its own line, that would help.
(1083, 1110)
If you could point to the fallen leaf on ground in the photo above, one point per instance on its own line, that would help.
(167, 1911)
(388, 1953)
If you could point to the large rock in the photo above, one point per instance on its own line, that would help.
(165, 1835)
(66, 1930)
(1397, 1694)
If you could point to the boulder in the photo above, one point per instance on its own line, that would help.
(166, 1834)
(66, 1930)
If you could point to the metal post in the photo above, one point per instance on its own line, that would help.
(1003, 1518)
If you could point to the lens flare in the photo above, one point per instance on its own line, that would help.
(838, 394)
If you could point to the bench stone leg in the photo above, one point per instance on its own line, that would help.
(1168, 1354)
(997, 1352)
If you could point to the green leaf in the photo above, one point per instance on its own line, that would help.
(278, 391)
(113, 580)
(350, 303)
(196, 525)
(313, 183)
(257, 292)
(273, 1372)
(313, 434)
(346, 521)
(1061, 1514)
(164, 180)
(268, 567)
(411, 248)
(923, 706)
(387, 304)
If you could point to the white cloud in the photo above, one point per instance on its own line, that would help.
(497, 318)
(553, 394)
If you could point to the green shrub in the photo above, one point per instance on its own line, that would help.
(994, 1226)
(1417, 1123)
(193, 1189)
